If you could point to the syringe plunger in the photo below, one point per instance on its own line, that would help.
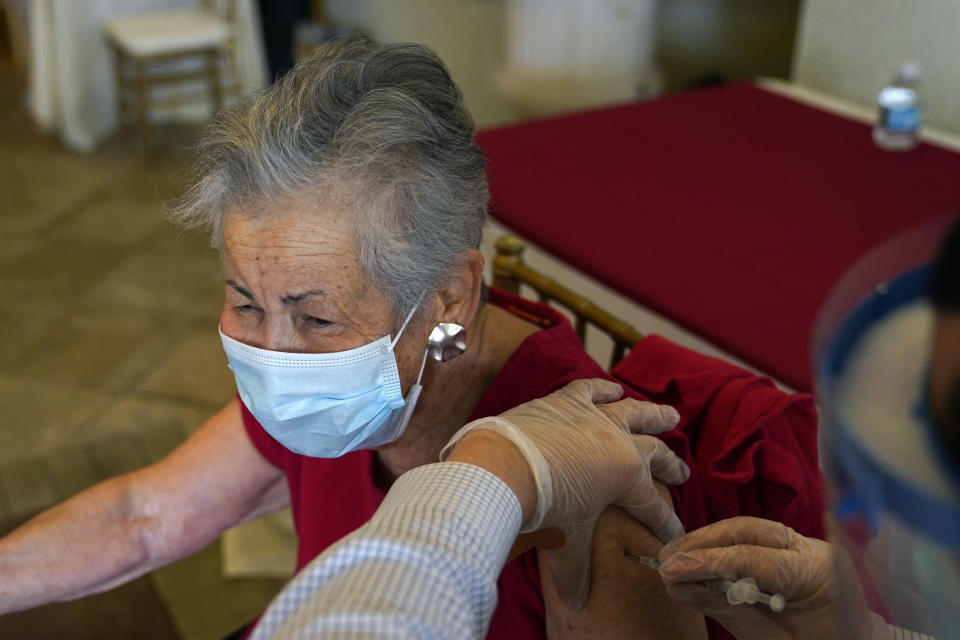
(745, 590)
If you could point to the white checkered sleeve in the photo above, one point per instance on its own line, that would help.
(897, 633)
(425, 566)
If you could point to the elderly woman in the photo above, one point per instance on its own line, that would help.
(347, 202)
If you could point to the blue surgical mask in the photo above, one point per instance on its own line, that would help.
(324, 405)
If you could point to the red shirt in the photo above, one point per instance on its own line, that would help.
(332, 497)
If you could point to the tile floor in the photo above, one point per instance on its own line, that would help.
(109, 355)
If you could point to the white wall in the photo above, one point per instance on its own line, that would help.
(851, 48)
(732, 38)
(468, 35)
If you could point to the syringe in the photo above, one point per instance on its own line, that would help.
(744, 590)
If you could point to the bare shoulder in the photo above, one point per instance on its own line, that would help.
(627, 599)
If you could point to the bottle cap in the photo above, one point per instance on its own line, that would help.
(909, 73)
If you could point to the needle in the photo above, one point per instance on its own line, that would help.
(744, 590)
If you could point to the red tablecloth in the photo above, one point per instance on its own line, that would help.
(731, 211)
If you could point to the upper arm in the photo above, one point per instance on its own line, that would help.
(627, 599)
(214, 480)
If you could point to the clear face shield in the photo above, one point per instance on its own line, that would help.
(893, 493)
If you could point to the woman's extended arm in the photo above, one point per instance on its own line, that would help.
(131, 524)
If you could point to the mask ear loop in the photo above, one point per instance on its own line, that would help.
(393, 343)
(409, 317)
(423, 365)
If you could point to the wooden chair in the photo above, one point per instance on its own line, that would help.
(143, 44)
(13, 17)
(509, 272)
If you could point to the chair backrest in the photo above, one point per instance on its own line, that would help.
(509, 272)
(226, 10)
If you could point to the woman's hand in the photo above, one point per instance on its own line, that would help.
(781, 561)
(585, 455)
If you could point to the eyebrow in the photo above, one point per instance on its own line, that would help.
(294, 299)
(242, 291)
(286, 300)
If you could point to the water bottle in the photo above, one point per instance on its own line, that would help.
(900, 117)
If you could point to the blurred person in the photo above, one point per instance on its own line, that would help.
(278, 20)
(822, 582)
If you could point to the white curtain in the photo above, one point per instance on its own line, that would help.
(564, 54)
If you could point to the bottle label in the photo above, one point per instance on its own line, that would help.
(902, 120)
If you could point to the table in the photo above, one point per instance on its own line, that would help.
(72, 84)
(730, 211)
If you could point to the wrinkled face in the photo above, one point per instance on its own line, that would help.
(293, 282)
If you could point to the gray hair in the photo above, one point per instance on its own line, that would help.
(383, 126)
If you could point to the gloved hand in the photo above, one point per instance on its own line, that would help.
(781, 561)
(584, 456)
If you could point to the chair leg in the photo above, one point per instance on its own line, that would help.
(143, 110)
(235, 83)
(229, 54)
(213, 78)
(122, 106)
